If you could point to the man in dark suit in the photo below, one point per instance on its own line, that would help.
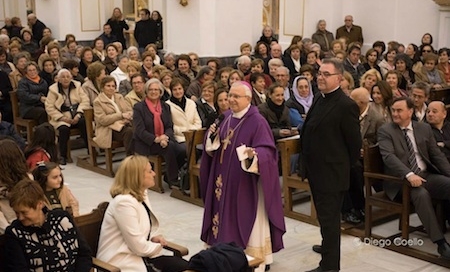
(409, 151)
(351, 31)
(330, 144)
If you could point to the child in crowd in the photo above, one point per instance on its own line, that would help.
(50, 177)
(42, 147)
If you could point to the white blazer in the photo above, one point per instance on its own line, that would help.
(123, 236)
(184, 120)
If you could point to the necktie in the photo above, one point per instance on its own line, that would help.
(412, 157)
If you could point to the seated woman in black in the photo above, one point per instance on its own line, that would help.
(205, 105)
(277, 113)
(153, 133)
(42, 239)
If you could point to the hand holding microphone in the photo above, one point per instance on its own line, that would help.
(215, 126)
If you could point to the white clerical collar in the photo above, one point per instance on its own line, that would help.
(240, 114)
(324, 94)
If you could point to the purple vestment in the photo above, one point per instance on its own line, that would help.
(231, 204)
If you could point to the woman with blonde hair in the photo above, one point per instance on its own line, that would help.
(130, 236)
(369, 79)
(347, 83)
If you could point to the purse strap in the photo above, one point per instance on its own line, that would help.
(149, 218)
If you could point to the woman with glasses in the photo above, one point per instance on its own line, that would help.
(153, 131)
(205, 105)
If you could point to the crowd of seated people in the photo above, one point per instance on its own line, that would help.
(147, 100)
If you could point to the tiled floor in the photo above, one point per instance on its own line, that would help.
(181, 223)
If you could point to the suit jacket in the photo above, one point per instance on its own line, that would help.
(394, 150)
(144, 128)
(330, 147)
(370, 125)
(355, 34)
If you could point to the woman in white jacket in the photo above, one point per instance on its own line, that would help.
(184, 111)
(130, 238)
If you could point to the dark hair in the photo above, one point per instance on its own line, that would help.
(380, 44)
(105, 80)
(70, 64)
(389, 51)
(26, 193)
(175, 82)
(146, 11)
(386, 92)
(308, 68)
(254, 77)
(205, 70)
(338, 65)
(444, 49)
(405, 58)
(409, 102)
(257, 54)
(216, 61)
(183, 57)
(273, 87)
(422, 47)
(353, 47)
(133, 76)
(431, 39)
(159, 16)
(44, 137)
(13, 166)
(41, 172)
(95, 41)
(69, 36)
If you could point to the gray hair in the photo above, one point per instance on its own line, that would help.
(4, 37)
(319, 22)
(284, 68)
(170, 54)
(248, 91)
(244, 59)
(422, 86)
(338, 65)
(150, 82)
(275, 62)
(63, 71)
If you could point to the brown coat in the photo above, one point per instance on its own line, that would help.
(55, 100)
(15, 76)
(422, 76)
(90, 90)
(67, 199)
(106, 118)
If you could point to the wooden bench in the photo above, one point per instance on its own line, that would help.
(21, 124)
(293, 184)
(373, 173)
(91, 162)
(193, 138)
(157, 165)
(90, 224)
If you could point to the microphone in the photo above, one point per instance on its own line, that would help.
(218, 121)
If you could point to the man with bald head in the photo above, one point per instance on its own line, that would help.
(36, 26)
(351, 31)
(436, 114)
(239, 180)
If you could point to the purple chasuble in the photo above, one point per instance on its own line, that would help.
(230, 194)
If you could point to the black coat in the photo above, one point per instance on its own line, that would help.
(330, 142)
(145, 32)
(117, 30)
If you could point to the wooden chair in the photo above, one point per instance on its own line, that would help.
(373, 173)
(292, 183)
(21, 124)
(90, 224)
(91, 162)
(193, 138)
(157, 162)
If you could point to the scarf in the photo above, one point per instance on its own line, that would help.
(306, 102)
(181, 104)
(278, 109)
(433, 76)
(35, 79)
(156, 110)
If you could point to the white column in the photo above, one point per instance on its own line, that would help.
(444, 27)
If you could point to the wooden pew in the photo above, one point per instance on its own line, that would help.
(292, 183)
(91, 162)
(20, 123)
(373, 172)
(193, 138)
(90, 224)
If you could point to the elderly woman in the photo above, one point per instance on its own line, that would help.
(153, 133)
(54, 52)
(95, 73)
(184, 111)
(205, 105)
(133, 53)
(112, 116)
(258, 83)
(99, 49)
(130, 236)
(303, 95)
(65, 105)
(133, 67)
(268, 36)
(322, 36)
(87, 58)
(429, 72)
(13, 168)
(32, 93)
(137, 94)
(276, 113)
(147, 65)
(369, 79)
(120, 73)
(39, 239)
(184, 70)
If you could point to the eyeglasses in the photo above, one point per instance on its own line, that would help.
(326, 74)
(426, 51)
(235, 96)
(137, 82)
